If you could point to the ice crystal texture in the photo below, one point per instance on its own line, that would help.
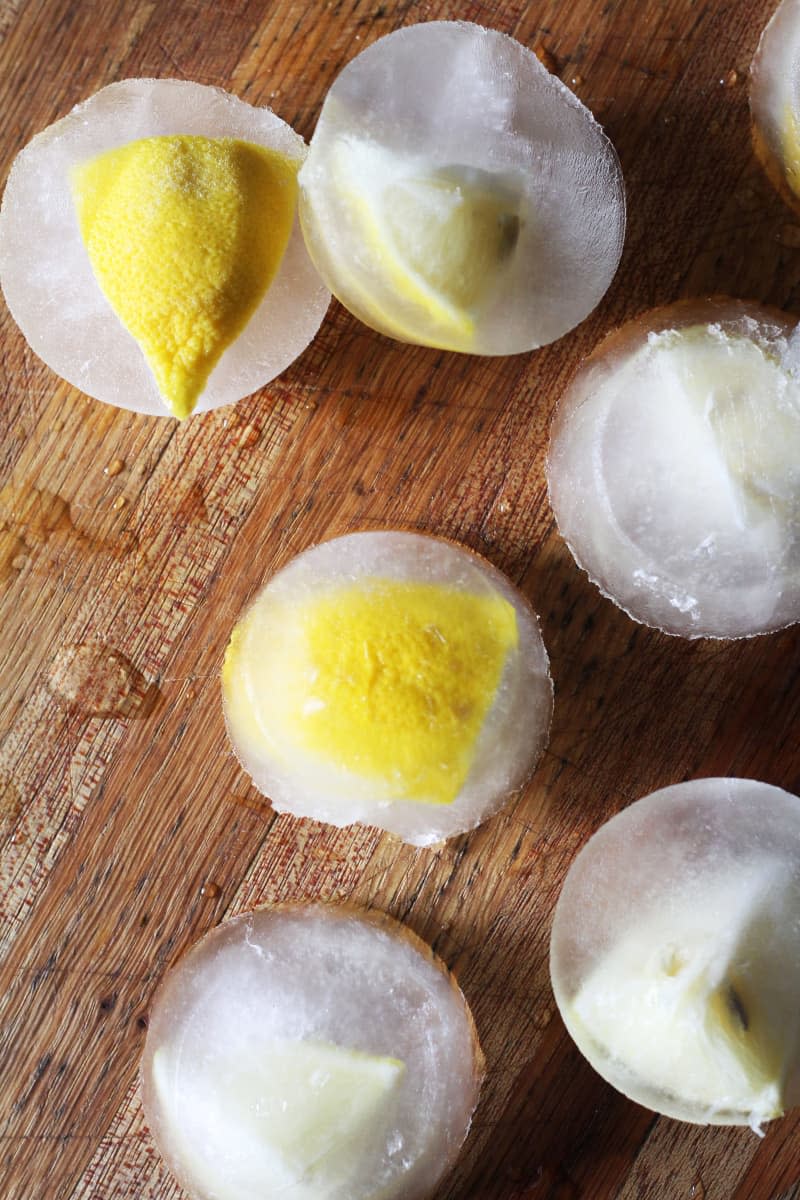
(674, 469)
(397, 1071)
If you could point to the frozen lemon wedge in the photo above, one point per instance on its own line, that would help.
(688, 1006)
(317, 1100)
(391, 681)
(292, 1115)
(184, 235)
(791, 148)
(437, 238)
(746, 398)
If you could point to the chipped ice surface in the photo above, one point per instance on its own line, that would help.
(775, 98)
(47, 279)
(675, 953)
(674, 469)
(514, 732)
(305, 977)
(444, 96)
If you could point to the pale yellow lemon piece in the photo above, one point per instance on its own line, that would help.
(311, 1100)
(437, 239)
(298, 1113)
(727, 380)
(791, 149)
(684, 1003)
(185, 235)
(391, 681)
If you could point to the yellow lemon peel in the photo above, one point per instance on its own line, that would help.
(184, 235)
(390, 680)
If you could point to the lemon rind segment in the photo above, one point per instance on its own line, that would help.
(362, 685)
(185, 234)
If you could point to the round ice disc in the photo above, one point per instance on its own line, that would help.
(675, 954)
(311, 1053)
(674, 469)
(775, 100)
(47, 278)
(456, 194)
(390, 678)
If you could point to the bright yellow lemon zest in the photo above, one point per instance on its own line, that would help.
(391, 680)
(185, 235)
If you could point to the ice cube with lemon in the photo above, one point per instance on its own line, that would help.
(457, 195)
(674, 468)
(676, 952)
(775, 100)
(312, 1053)
(390, 678)
(149, 248)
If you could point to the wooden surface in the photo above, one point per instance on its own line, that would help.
(128, 828)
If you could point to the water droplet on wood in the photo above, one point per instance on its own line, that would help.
(115, 467)
(192, 509)
(30, 517)
(210, 891)
(543, 1017)
(12, 552)
(120, 502)
(34, 513)
(10, 806)
(546, 58)
(97, 680)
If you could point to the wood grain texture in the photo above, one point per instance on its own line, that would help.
(128, 828)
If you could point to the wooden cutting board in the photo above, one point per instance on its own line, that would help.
(129, 545)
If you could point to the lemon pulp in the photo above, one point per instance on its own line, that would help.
(312, 1099)
(391, 681)
(748, 400)
(436, 241)
(298, 1111)
(687, 1003)
(185, 235)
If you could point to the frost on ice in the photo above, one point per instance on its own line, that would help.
(674, 469)
(309, 1053)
